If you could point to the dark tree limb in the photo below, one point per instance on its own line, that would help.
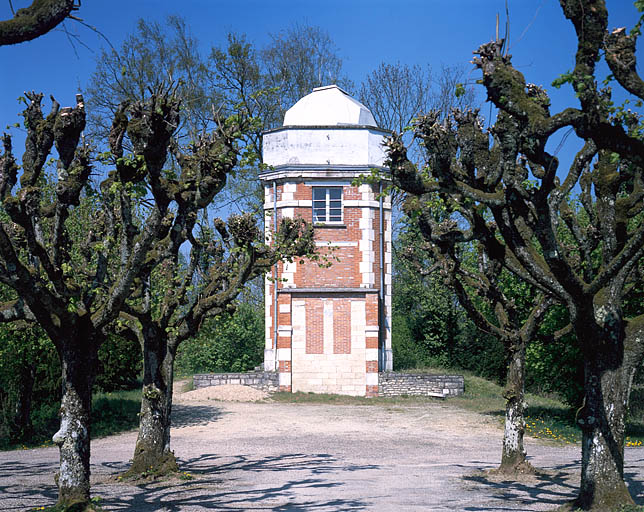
(36, 20)
(582, 254)
(15, 310)
(621, 59)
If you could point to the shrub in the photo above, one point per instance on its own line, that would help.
(227, 343)
(119, 364)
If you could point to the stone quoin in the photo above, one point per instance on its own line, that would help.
(328, 330)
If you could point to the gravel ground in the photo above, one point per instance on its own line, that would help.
(301, 457)
(227, 392)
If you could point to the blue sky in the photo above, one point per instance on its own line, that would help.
(367, 32)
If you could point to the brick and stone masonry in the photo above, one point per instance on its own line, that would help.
(328, 328)
(389, 383)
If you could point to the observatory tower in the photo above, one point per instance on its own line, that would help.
(328, 330)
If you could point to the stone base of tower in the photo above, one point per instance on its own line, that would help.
(327, 341)
(372, 391)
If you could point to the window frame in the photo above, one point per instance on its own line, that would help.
(328, 206)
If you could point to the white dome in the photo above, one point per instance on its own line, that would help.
(328, 106)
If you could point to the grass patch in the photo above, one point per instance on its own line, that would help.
(546, 417)
(331, 399)
(188, 385)
(115, 412)
(112, 412)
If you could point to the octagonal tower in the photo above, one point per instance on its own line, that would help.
(328, 330)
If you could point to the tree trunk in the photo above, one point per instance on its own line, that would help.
(602, 421)
(513, 459)
(152, 455)
(73, 437)
(607, 383)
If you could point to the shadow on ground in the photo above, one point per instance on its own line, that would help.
(554, 486)
(188, 415)
(17, 472)
(633, 477)
(217, 485)
(17, 469)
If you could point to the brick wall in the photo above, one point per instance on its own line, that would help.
(330, 338)
(341, 326)
(314, 326)
(328, 344)
(345, 260)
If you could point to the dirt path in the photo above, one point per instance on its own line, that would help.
(273, 456)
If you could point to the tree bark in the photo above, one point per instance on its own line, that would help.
(34, 21)
(513, 458)
(73, 437)
(607, 383)
(152, 454)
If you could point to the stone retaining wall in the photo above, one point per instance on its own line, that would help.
(389, 383)
(266, 381)
(419, 384)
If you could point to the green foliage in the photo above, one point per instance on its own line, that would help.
(115, 412)
(29, 377)
(429, 327)
(28, 354)
(424, 322)
(227, 343)
(555, 367)
(478, 352)
(45, 422)
(111, 413)
(562, 79)
(119, 364)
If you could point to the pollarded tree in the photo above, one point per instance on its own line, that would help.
(183, 296)
(584, 258)
(493, 299)
(75, 286)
